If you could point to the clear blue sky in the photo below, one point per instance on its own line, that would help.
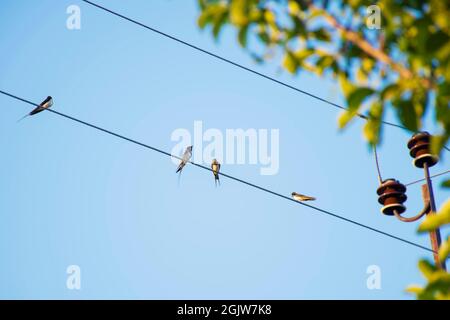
(72, 195)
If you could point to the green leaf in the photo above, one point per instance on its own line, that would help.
(294, 7)
(427, 269)
(407, 114)
(218, 22)
(438, 286)
(203, 19)
(269, 17)
(361, 76)
(212, 14)
(344, 118)
(321, 35)
(346, 85)
(290, 62)
(436, 41)
(367, 64)
(390, 91)
(242, 36)
(263, 36)
(446, 184)
(355, 100)
(324, 62)
(444, 249)
(357, 97)
(372, 128)
(239, 12)
(437, 143)
(415, 289)
(202, 4)
(434, 221)
(299, 29)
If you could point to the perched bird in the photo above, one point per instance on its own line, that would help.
(215, 166)
(47, 103)
(300, 197)
(185, 158)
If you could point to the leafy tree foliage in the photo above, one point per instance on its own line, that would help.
(404, 65)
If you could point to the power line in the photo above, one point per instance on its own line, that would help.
(222, 174)
(423, 179)
(249, 70)
(380, 179)
(238, 65)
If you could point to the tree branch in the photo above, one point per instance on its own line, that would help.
(365, 46)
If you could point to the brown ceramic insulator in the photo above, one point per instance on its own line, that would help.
(391, 194)
(419, 149)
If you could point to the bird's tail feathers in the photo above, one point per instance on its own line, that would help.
(216, 180)
(23, 117)
(180, 167)
(179, 178)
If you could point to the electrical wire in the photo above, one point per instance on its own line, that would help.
(380, 180)
(188, 44)
(233, 63)
(423, 179)
(222, 174)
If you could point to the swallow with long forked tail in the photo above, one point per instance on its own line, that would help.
(47, 103)
(215, 167)
(185, 158)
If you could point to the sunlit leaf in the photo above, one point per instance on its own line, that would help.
(446, 184)
(444, 249)
(407, 114)
(242, 36)
(269, 16)
(324, 62)
(414, 289)
(321, 34)
(357, 97)
(294, 7)
(437, 143)
(372, 127)
(427, 269)
(239, 12)
(355, 100)
(436, 220)
(346, 85)
(290, 62)
(390, 91)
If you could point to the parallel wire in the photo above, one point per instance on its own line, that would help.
(222, 174)
(234, 63)
(380, 179)
(365, 117)
(423, 179)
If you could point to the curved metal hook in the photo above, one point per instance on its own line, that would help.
(424, 211)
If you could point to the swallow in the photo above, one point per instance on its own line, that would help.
(47, 103)
(185, 158)
(215, 166)
(300, 197)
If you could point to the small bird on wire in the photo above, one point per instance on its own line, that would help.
(47, 103)
(301, 197)
(215, 166)
(185, 158)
